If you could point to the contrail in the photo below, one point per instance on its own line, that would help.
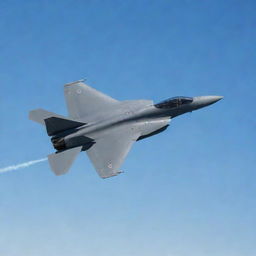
(19, 166)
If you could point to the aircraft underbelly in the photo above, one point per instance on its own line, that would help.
(152, 127)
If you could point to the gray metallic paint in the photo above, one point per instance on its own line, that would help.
(104, 127)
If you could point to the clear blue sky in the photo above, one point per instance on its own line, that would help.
(187, 192)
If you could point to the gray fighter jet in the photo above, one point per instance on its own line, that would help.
(107, 128)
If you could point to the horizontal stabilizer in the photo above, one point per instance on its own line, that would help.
(38, 115)
(56, 125)
(61, 162)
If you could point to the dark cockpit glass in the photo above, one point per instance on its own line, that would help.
(174, 102)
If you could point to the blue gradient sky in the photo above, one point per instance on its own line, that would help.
(187, 192)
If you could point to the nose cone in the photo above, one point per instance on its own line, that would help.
(210, 99)
(203, 101)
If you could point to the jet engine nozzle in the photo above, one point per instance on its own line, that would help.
(58, 143)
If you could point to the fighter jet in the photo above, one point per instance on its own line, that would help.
(107, 128)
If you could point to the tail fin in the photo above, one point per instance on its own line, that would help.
(38, 115)
(55, 125)
(61, 162)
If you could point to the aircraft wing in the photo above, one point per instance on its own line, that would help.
(109, 151)
(85, 102)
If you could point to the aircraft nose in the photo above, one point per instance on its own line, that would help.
(212, 99)
(204, 101)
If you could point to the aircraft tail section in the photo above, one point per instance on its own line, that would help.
(61, 162)
(56, 125)
(38, 115)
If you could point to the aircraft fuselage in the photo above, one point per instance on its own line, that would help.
(107, 128)
(149, 120)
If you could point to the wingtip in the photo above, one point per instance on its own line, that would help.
(76, 82)
(112, 175)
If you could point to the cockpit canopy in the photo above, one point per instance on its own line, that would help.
(174, 102)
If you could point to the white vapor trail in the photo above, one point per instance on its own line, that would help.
(19, 166)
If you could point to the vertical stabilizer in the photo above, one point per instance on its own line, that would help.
(55, 125)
